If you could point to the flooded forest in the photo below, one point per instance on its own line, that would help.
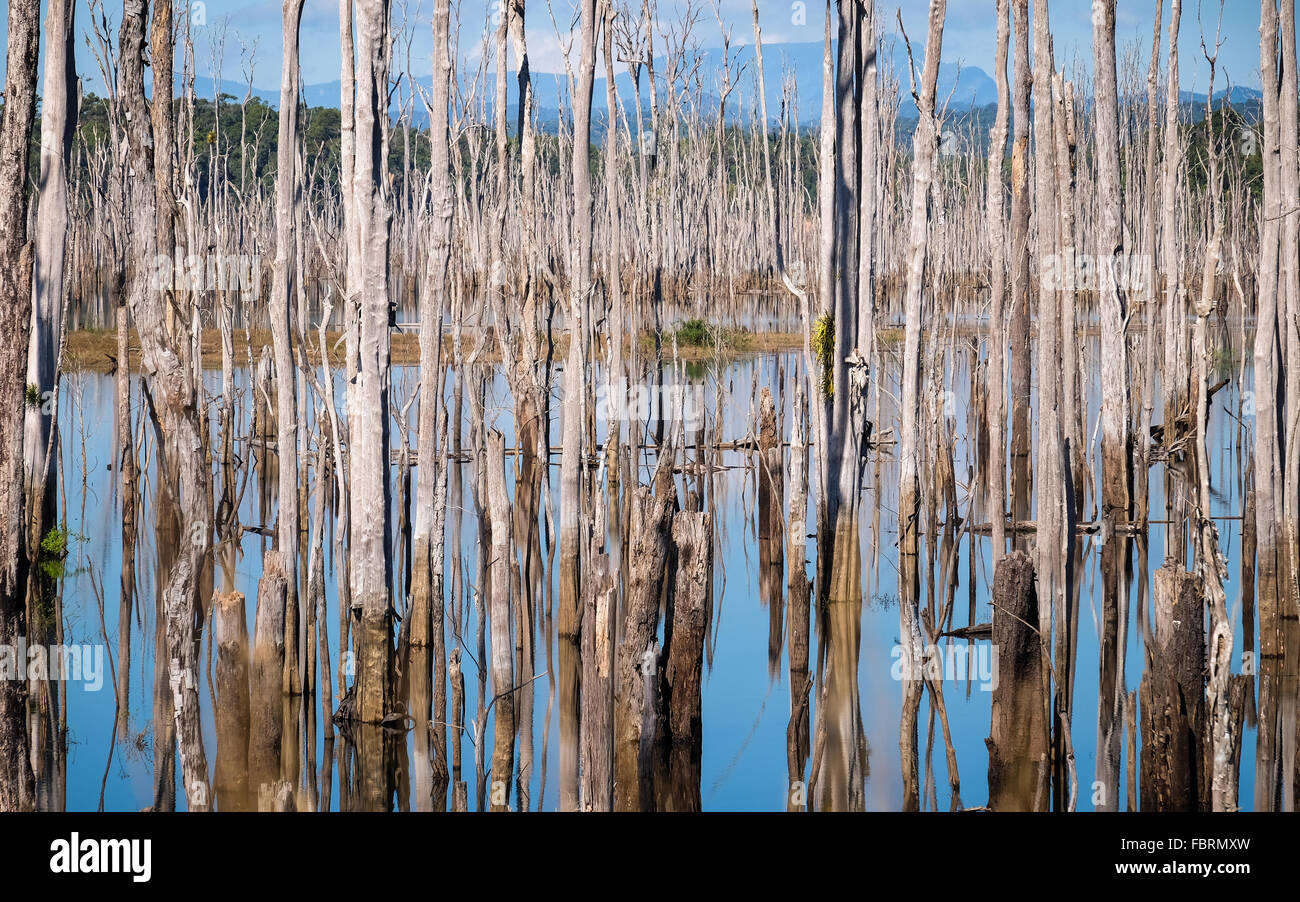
(642, 434)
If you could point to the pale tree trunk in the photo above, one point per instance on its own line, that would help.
(1268, 453)
(1173, 380)
(17, 791)
(1141, 480)
(574, 372)
(925, 152)
(1054, 501)
(172, 380)
(1114, 402)
(1021, 366)
(58, 120)
(997, 492)
(280, 306)
(371, 551)
(1289, 300)
(427, 580)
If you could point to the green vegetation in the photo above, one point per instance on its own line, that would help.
(823, 348)
(54, 551)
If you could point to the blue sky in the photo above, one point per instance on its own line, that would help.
(235, 29)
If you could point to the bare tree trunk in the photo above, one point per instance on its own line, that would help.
(58, 120)
(925, 152)
(17, 790)
(1114, 403)
(280, 309)
(1021, 368)
(997, 230)
(371, 551)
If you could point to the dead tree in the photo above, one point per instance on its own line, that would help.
(17, 790)
(371, 551)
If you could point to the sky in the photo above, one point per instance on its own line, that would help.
(233, 32)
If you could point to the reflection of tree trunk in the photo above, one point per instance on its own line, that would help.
(503, 676)
(800, 598)
(648, 555)
(926, 149)
(843, 767)
(266, 710)
(232, 704)
(770, 527)
(599, 599)
(1173, 697)
(1018, 739)
(683, 670)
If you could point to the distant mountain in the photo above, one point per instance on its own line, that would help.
(962, 87)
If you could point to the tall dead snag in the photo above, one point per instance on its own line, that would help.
(1173, 696)
(183, 475)
(427, 577)
(925, 146)
(1021, 368)
(1174, 376)
(1289, 290)
(652, 511)
(17, 790)
(997, 492)
(280, 310)
(58, 127)
(1268, 460)
(579, 304)
(1018, 743)
(1141, 483)
(1054, 499)
(371, 551)
(856, 127)
(499, 606)
(683, 672)
(1114, 404)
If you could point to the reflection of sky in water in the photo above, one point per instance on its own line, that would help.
(745, 711)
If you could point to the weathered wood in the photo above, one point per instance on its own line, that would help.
(1173, 697)
(499, 614)
(232, 712)
(266, 709)
(600, 599)
(1018, 742)
(648, 554)
(17, 789)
